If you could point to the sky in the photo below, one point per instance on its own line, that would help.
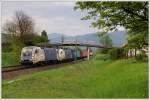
(54, 17)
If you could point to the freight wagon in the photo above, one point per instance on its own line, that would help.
(76, 54)
(84, 53)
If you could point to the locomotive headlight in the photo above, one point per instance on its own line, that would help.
(32, 56)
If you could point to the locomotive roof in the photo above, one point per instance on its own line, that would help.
(30, 47)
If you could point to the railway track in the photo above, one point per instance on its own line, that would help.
(12, 68)
(13, 71)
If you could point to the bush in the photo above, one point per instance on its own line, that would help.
(104, 51)
(100, 56)
(17, 47)
(141, 57)
(40, 39)
(6, 47)
(117, 53)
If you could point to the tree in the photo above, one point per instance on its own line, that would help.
(21, 27)
(108, 15)
(21, 30)
(44, 36)
(105, 40)
(44, 33)
(137, 41)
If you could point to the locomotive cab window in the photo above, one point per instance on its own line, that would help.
(36, 51)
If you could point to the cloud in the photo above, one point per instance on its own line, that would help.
(54, 17)
(62, 25)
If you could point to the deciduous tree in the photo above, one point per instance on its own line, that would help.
(104, 38)
(21, 27)
(108, 15)
(44, 36)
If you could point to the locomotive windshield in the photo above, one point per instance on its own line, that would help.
(27, 53)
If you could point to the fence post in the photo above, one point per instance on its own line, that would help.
(88, 57)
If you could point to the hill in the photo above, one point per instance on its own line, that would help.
(118, 38)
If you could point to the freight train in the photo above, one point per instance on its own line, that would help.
(35, 55)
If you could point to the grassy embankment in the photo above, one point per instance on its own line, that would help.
(9, 59)
(89, 79)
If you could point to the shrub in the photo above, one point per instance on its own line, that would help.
(141, 56)
(104, 50)
(17, 47)
(117, 53)
(6, 47)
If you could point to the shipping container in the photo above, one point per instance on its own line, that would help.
(68, 54)
(76, 53)
(50, 54)
(84, 53)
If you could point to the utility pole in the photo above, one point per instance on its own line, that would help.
(88, 52)
(88, 57)
(76, 48)
(62, 39)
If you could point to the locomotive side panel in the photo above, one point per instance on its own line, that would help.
(39, 56)
(61, 54)
(32, 55)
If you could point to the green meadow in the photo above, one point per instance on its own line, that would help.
(126, 78)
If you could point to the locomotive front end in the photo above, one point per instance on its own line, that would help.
(26, 55)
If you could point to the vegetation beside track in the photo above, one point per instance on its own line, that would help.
(97, 78)
(9, 59)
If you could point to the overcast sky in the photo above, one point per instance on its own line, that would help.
(54, 17)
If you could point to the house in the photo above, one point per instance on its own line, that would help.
(131, 52)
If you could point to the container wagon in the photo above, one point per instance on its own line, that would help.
(76, 54)
(84, 53)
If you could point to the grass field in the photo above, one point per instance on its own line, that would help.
(8, 59)
(89, 79)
